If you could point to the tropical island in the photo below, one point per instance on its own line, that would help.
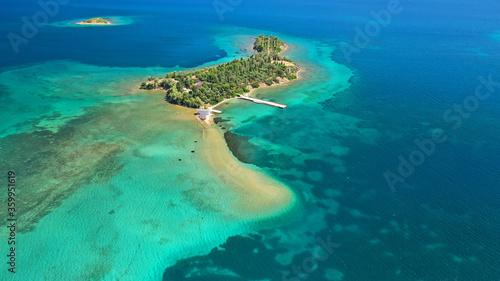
(212, 85)
(95, 21)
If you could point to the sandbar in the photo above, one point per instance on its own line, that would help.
(259, 196)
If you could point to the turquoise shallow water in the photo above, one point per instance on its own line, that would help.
(104, 196)
(103, 160)
(107, 171)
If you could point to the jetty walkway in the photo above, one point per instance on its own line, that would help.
(212, 109)
(263, 102)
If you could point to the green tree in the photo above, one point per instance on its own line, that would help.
(178, 85)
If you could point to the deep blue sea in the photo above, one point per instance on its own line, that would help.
(393, 150)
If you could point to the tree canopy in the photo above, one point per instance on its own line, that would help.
(96, 20)
(212, 85)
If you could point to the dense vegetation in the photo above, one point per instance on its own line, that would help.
(268, 45)
(214, 84)
(96, 20)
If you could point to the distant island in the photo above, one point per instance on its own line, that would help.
(95, 21)
(212, 85)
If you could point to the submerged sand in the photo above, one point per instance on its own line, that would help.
(258, 195)
(117, 181)
(115, 171)
(252, 194)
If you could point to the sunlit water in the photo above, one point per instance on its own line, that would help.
(74, 122)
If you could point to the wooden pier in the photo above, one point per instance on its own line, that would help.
(212, 109)
(263, 102)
